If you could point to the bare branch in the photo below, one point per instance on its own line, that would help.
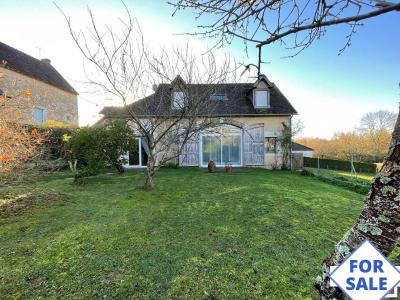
(127, 70)
(265, 22)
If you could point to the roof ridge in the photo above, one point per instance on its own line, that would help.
(222, 83)
(23, 63)
(26, 54)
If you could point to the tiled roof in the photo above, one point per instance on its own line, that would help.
(42, 70)
(300, 147)
(239, 102)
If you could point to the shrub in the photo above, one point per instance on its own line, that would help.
(355, 185)
(171, 165)
(54, 146)
(305, 172)
(18, 146)
(93, 148)
(86, 153)
(118, 139)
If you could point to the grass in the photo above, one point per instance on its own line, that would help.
(252, 234)
(361, 176)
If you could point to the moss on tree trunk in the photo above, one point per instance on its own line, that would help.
(379, 220)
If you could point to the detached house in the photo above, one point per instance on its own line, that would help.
(51, 96)
(255, 112)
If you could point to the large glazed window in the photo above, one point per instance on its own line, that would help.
(211, 149)
(231, 150)
(223, 148)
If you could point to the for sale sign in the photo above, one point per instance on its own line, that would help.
(366, 274)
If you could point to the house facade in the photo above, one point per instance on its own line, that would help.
(252, 117)
(51, 97)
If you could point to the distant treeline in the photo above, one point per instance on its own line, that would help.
(369, 142)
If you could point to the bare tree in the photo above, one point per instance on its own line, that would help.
(179, 107)
(297, 127)
(377, 121)
(296, 25)
(376, 127)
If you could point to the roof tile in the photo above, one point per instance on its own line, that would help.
(239, 102)
(23, 63)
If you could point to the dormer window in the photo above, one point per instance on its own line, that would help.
(178, 100)
(261, 98)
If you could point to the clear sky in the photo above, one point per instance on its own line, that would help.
(330, 92)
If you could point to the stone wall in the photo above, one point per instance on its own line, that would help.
(59, 105)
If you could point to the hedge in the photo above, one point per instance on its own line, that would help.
(352, 184)
(54, 146)
(359, 187)
(343, 165)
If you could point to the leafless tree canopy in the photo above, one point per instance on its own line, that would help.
(127, 69)
(266, 21)
(378, 121)
(297, 127)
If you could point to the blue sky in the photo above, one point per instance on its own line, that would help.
(330, 92)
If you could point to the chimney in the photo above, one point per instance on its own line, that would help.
(46, 60)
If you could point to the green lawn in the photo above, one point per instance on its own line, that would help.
(324, 172)
(250, 235)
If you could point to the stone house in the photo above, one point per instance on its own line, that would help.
(256, 111)
(51, 97)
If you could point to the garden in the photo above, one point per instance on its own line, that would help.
(196, 235)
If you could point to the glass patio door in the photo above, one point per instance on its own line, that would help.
(231, 150)
(211, 149)
(222, 149)
(138, 156)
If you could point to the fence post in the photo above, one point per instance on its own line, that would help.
(353, 169)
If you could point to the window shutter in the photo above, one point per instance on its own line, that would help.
(254, 145)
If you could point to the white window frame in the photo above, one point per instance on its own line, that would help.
(221, 135)
(255, 98)
(44, 114)
(175, 104)
(140, 165)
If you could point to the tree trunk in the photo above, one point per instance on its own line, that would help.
(379, 220)
(119, 168)
(149, 180)
(78, 178)
(151, 171)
